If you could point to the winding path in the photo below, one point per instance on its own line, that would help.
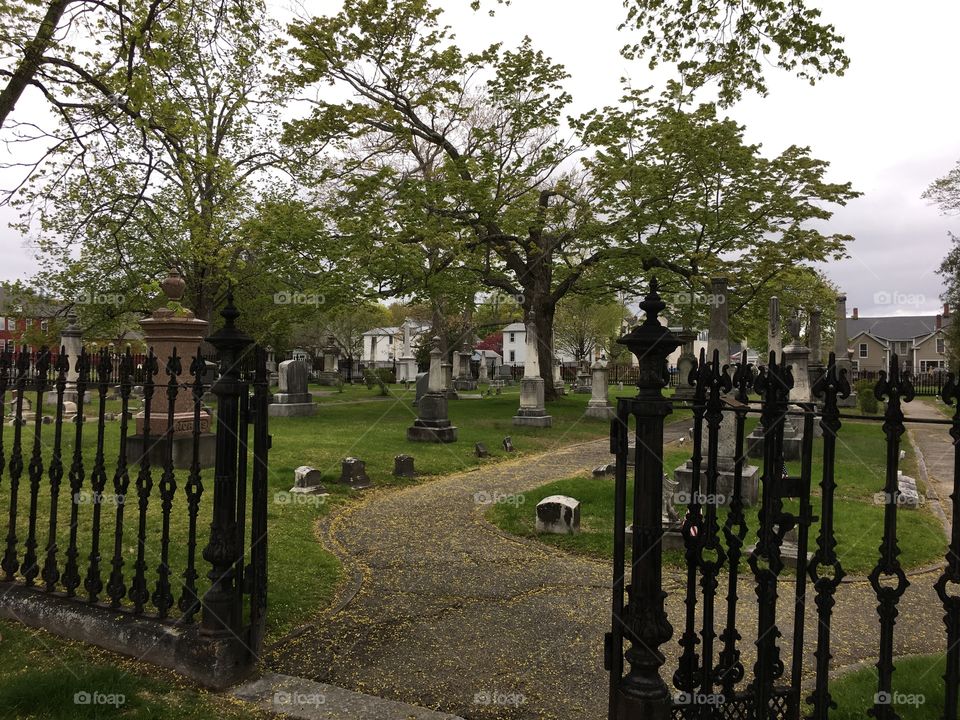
(446, 612)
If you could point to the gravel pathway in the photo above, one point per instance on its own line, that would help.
(444, 611)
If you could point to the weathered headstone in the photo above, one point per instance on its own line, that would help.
(464, 380)
(407, 365)
(558, 515)
(774, 332)
(480, 450)
(840, 349)
(423, 385)
(432, 423)
(599, 405)
(719, 341)
(353, 472)
(306, 481)
(330, 375)
(508, 444)
(293, 398)
(604, 470)
(584, 379)
(403, 466)
(532, 412)
(685, 364)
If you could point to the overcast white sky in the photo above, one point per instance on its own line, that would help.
(890, 125)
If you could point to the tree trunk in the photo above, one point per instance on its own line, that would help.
(30, 62)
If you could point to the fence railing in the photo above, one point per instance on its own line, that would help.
(108, 496)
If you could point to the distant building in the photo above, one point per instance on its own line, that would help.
(515, 346)
(14, 321)
(382, 346)
(917, 340)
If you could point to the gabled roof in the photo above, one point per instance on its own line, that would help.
(895, 327)
(515, 327)
(383, 331)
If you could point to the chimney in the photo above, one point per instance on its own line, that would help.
(856, 313)
(946, 310)
(939, 322)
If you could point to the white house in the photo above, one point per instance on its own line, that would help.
(515, 346)
(384, 345)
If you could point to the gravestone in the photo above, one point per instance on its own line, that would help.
(774, 331)
(719, 341)
(840, 349)
(508, 444)
(407, 365)
(448, 388)
(484, 370)
(685, 364)
(604, 470)
(353, 472)
(532, 412)
(330, 375)
(669, 518)
(432, 423)
(558, 515)
(71, 342)
(306, 481)
(599, 405)
(293, 398)
(584, 378)
(909, 497)
(423, 385)
(480, 450)
(464, 379)
(403, 466)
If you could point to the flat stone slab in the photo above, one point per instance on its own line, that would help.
(300, 698)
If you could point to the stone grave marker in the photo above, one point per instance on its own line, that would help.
(353, 472)
(403, 466)
(558, 515)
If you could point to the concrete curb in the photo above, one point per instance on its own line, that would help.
(300, 698)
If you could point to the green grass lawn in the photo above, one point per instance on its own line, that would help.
(859, 521)
(917, 682)
(43, 675)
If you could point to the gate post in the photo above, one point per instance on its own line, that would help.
(641, 694)
(222, 606)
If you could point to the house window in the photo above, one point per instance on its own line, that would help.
(513, 355)
(941, 346)
(863, 350)
(44, 326)
(855, 364)
(513, 338)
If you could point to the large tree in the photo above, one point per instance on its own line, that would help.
(169, 160)
(464, 156)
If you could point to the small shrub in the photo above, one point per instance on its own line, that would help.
(865, 397)
(387, 376)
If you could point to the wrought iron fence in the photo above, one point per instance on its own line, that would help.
(108, 516)
(712, 677)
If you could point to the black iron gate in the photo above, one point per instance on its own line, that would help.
(711, 679)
